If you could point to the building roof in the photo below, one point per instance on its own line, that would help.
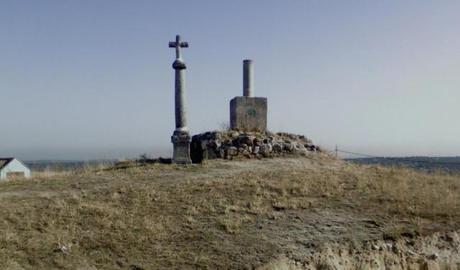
(4, 162)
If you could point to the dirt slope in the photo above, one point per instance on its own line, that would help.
(269, 214)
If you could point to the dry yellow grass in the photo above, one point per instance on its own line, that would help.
(222, 215)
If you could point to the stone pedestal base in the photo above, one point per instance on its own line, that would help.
(248, 114)
(181, 141)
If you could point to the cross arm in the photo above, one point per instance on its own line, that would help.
(173, 44)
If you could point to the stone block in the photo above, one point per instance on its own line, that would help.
(248, 114)
(181, 142)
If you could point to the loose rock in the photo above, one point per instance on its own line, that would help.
(233, 144)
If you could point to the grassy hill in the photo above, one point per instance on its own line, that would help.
(220, 215)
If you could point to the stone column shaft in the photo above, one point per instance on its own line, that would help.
(248, 85)
(180, 106)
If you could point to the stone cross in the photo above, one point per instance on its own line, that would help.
(178, 44)
(181, 137)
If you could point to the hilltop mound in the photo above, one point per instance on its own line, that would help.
(313, 212)
(237, 144)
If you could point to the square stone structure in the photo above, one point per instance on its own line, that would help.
(181, 141)
(248, 114)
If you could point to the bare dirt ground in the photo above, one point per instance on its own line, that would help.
(313, 212)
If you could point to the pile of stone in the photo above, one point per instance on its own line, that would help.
(234, 144)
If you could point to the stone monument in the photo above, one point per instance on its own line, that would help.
(181, 138)
(248, 113)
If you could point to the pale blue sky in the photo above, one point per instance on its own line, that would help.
(93, 79)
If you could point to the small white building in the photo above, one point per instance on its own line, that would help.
(13, 168)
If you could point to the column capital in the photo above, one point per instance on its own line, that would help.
(179, 64)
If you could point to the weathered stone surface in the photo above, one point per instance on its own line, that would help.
(248, 82)
(229, 145)
(277, 148)
(248, 114)
(181, 142)
(232, 151)
(264, 150)
(180, 138)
